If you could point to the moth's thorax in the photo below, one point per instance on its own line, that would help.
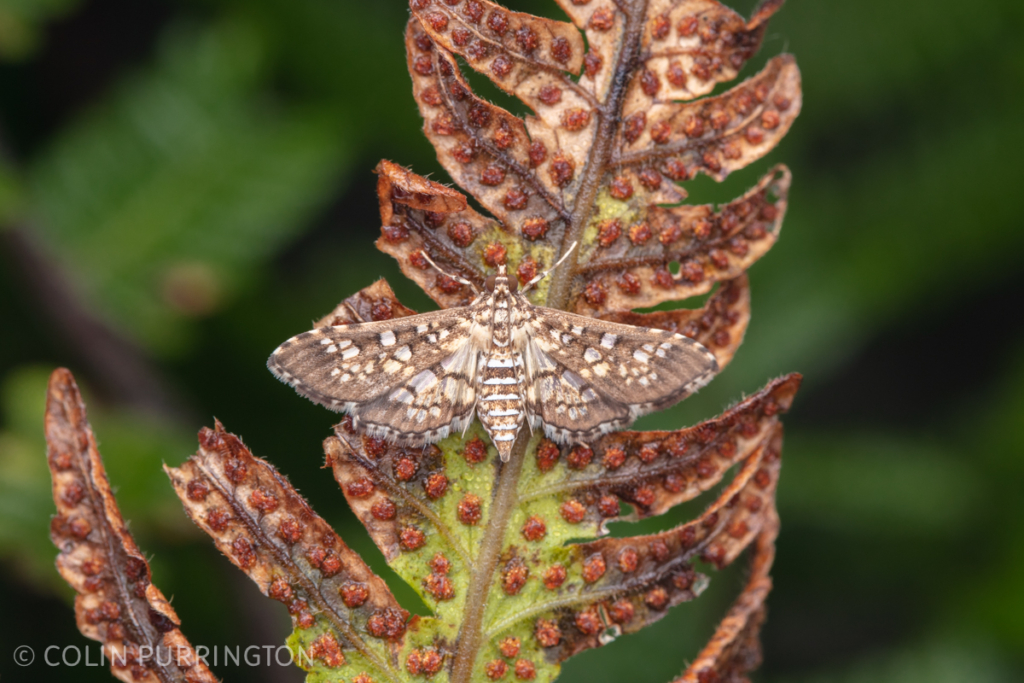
(500, 404)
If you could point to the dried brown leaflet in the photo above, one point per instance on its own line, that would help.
(376, 302)
(340, 609)
(540, 55)
(657, 470)
(702, 244)
(629, 583)
(719, 134)
(117, 604)
(426, 219)
(693, 45)
(735, 648)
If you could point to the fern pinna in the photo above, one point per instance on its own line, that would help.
(497, 549)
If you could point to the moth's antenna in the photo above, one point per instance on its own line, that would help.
(454, 277)
(550, 270)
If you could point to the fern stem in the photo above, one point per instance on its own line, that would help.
(502, 505)
(601, 153)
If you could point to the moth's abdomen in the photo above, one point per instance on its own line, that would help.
(500, 405)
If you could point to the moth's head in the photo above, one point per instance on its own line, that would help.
(501, 278)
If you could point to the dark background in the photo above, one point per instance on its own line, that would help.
(186, 184)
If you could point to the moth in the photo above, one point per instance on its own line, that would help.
(417, 379)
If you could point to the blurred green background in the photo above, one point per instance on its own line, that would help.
(185, 184)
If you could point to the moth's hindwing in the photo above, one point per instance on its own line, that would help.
(587, 377)
(431, 404)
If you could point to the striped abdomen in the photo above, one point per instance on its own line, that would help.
(500, 378)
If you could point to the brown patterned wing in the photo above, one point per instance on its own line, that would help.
(563, 403)
(406, 379)
(436, 401)
(587, 377)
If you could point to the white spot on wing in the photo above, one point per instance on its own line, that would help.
(401, 395)
(608, 340)
(591, 355)
(387, 338)
(423, 381)
(403, 354)
(641, 356)
(350, 353)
